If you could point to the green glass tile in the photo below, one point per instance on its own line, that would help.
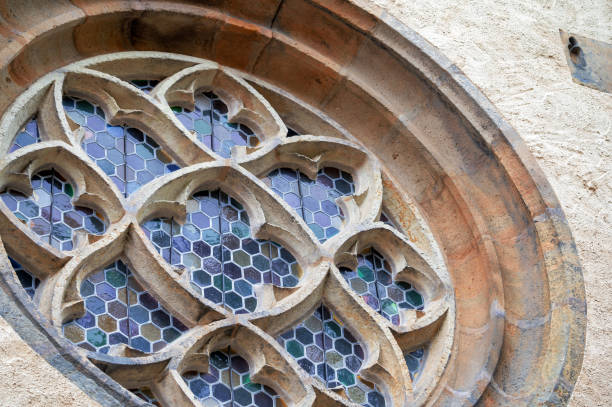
(366, 273)
(96, 337)
(346, 377)
(414, 298)
(219, 360)
(332, 329)
(389, 307)
(68, 190)
(210, 236)
(240, 229)
(202, 127)
(85, 106)
(116, 278)
(295, 349)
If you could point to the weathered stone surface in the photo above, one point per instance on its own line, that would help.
(498, 246)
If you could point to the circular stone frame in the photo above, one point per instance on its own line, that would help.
(520, 304)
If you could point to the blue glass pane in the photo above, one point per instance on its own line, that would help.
(145, 85)
(49, 211)
(314, 201)
(228, 382)
(27, 135)
(415, 361)
(143, 325)
(127, 155)
(210, 123)
(324, 347)
(27, 280)
(373, 281)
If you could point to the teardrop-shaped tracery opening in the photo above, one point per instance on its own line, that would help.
(128, 156)
(209, 121)
(49, 211)
(228, 382)
(28, 281)
(314, 200)
(325, 348)
(373, 281)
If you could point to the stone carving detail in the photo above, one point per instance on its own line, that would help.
(220, 257)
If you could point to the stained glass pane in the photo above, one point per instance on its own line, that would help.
(27, 135)
(387, 220)
(314, 200)
(143, 325)
(49, 211)
(324, 347)
(209, 122)
(415, 361)
(216, 246)
(128, 156)
(145, 85)
(228, 383)
(373, 281)
(27, 280)
(291, 132)
(146, 395)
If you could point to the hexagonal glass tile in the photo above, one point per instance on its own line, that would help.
(415, 361)
(143, 325)
(324, 347)
(27, 135)
(228, 383)
(49, 211)
(145, 85)
(209, 122)
(373, 281)
(27, 280)
(215, 246)
(314, 201)
(128, 156)
(146, 395)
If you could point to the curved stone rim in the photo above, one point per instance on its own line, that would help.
(566, 288)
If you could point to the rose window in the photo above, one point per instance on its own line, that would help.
(176, 233)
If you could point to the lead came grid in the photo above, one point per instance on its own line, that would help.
(49, 211)
(373, 281)
(27, 135)
(210, 123)
(315, 201)
(145, 85)
(415, 360)
(128, 156)
(215, 250)
(228, 383)
(324, 347)
(27, 280)
(143, 325)
(216, 246)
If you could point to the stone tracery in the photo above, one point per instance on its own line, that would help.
(332, 218)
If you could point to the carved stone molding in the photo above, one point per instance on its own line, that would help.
(441, 188)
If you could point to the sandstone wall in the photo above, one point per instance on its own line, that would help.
(511, 50)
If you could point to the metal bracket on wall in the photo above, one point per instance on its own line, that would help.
(590, 61)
